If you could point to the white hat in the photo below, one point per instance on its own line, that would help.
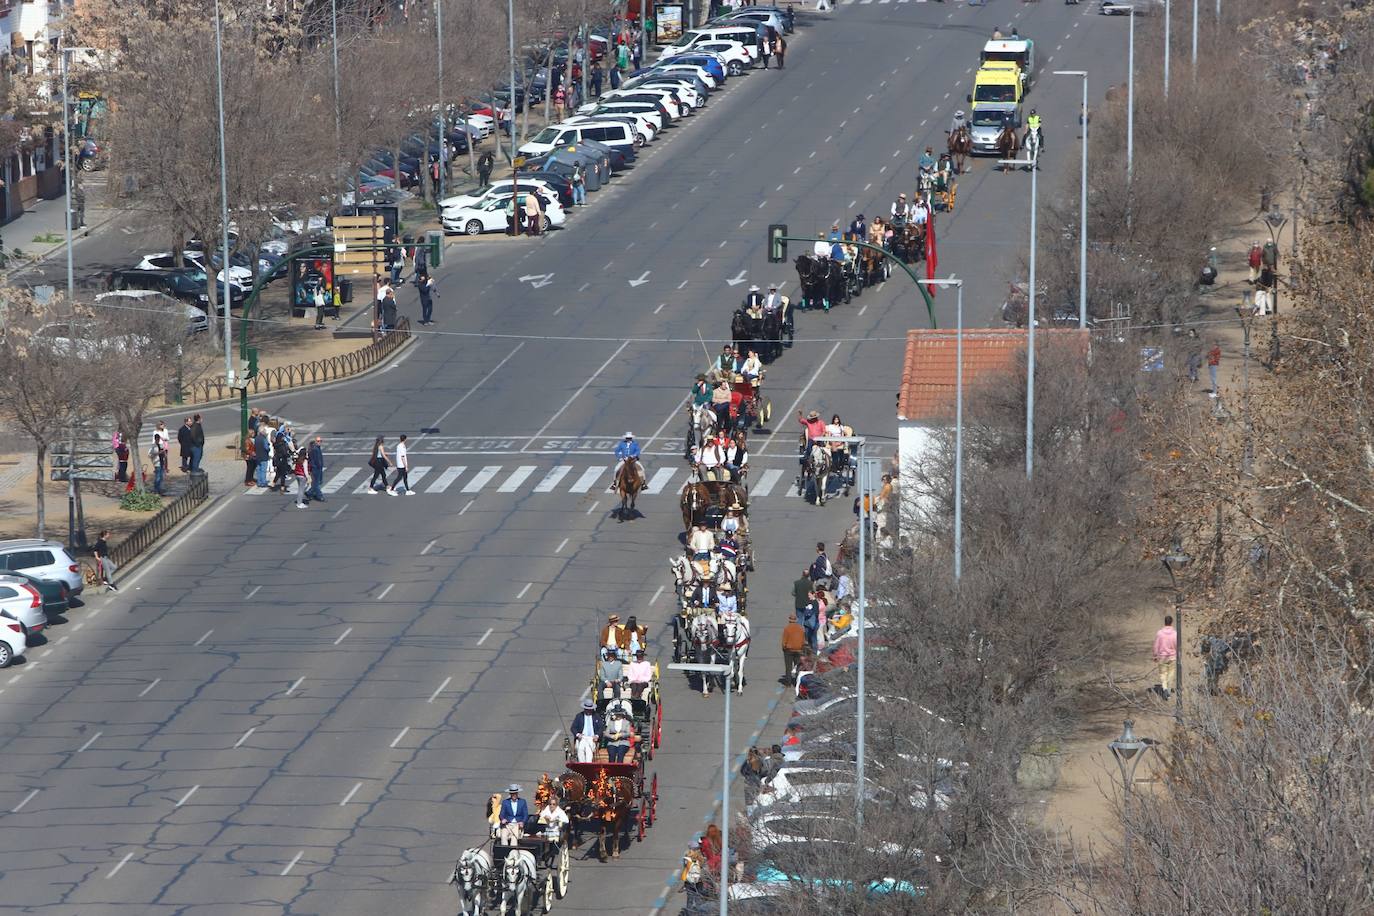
(753, 289)
(629, 435)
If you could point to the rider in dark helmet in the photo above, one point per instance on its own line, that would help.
(1033, 126)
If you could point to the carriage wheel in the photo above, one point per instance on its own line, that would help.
(562, 872)
(546, 903)
(653, 800)
(658, 726)
(643, 812)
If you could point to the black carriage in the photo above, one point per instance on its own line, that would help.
(552, 864)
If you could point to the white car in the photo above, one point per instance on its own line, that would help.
(196, 319)
(764, 17)
(22, 603)
(501, 188)
(13, 643)
(643, 127)
(490, 216)
(797, 783)
(43, 560)
(163, 260)
(700, 73)
(686, 92)
(737, 58)
(481, 126)
(782, 828)
(652, 96)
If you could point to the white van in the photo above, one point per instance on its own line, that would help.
(615, 134)
(746, 35)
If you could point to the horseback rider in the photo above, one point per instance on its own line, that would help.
(958, 123)
(626, 450)
(1033, 127)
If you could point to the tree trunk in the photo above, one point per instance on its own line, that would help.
(40, 507)
(132, 423)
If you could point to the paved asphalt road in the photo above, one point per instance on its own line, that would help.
(304, 711)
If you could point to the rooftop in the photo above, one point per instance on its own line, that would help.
(928, 372)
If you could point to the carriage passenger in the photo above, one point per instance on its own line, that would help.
(720, 401)
(927, 161)
(728, 602)
(727, 361)
(609, 671)
(858, 229)
(610, 633)
(752, 367)
(553, 818)
(640, 675)
(737, 458)
(900, 208)
(701, 390)
(633, 637)
(834, 235)
(710, 459)
(821, 250)
(701, 542)
(877, 233)
(587, 727)
(920, 211)
(943, 169)
(617, 735)
(837, 251)
(839, 451)
(731, 524)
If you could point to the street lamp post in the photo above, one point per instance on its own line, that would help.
(727, 671)
(1177, 558)
(1128, 751)
(443, 122)
(1167, 18)
(958, 420)
(1031, 318)
(338, 117)
(1083, 176)
(1274, 221)
(510, 15)
(72, 485)
(223, 202)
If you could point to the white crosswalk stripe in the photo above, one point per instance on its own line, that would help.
(417, 473)
(482, 478)
(660, 480)
(336, 482)
(552, 478)
(446, 479)
(584, 483)
(767, 481)
(513, 482)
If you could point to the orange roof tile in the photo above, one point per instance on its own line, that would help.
(928, 373)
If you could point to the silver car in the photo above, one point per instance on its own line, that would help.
(986, 125)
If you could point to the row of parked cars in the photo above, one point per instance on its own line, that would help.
(801, 814)
(604, 136)
(39, 580)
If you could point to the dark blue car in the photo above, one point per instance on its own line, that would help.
(707, 62)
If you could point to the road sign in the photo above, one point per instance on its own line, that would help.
(519, 162)
(363, 240)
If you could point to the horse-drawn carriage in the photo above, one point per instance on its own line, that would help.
(705, 638)
(765, 332)
(823, 282)
(754, 409)
(643, 706)
(616, 796)
(907, 242)
(707, 502)
(528, 867)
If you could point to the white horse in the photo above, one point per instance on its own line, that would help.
(1032, 149)
(703, 422)
(817, 471)
(684, 576)
(470, 875)
(702, 630)
(517, 883)
(734, 630)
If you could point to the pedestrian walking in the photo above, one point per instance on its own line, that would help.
(121, 453)
(379, 463)
(78, 207)
(1255, 259)
(262, 452)
(104, 566)
(402, 478)
(281, 461)
(780, 50)
(319, 307)
(810, 619)
(250, 460)
(534, 216)
(622, 56)
(298, 472)
(398, 263)
(793, 643)
(1165, 653)
(184, 443)
(560, 101)
(801, 591)
(197, 443)
(615, 78)
(427, 293)
(765, 50)
(435, 174)
(1213, 364)
(389, 312)
(485, 163)
(315, 464)
(597, 74)
(579, 185)
(1194, 365)
(513, 215)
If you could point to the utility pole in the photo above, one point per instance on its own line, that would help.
(443, 121)
(223, 203)
(338, 117)
(1167, 18)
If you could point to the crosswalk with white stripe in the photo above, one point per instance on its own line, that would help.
(529, 478)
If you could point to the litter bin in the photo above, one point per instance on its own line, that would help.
(345, 290)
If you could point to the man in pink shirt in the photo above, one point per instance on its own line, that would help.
(815, 426)
(1166, 655)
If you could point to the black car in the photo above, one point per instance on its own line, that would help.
(188, 284)
(56, 598)
(558, 182)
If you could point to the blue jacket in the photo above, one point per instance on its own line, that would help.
(315, 458)
(628, 449)
(517, 811)
(260, 447)
(580, 720)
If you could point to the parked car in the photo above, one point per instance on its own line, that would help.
(763, 17)
(239, 275)
(490, 216)
(56, 596)
(45, 559)
(559, 184)
(499, 188)
(738, 57)
(22, 602)
(13, 643)
(640, 126)
(196, 319)
(189, 284)
(1127, 7)
(711, 63)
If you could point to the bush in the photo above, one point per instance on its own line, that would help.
(140, 500)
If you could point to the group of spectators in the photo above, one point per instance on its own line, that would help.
(296, 467)
(190, 441)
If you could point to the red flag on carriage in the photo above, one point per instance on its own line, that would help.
(931, 259)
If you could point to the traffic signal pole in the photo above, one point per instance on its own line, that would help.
(777, 240)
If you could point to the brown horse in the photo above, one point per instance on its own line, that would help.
(1008, 145)
(697, 498)
(629, 482)
(960, 147)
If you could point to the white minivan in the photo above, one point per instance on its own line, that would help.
(615, 134)
(746, 35)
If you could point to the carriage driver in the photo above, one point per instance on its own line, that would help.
(900, 208)
(859, 229)
(553, 817)
(957, 123)
(734, 522)
(727, 603)
(821, 250)
(626, 450)
(587, 726)
(514, 810)
(753, 299)
(927, 161)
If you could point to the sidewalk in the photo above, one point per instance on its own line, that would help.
(41, 232)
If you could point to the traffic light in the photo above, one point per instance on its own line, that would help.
(248, 368)
(777, 244)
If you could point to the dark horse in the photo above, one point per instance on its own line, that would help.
(629, 482)
(1008, 145)
(744, 329)
(607, 801)
(960, 148)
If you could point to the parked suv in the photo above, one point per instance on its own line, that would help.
(44, 559)
(187, 284)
